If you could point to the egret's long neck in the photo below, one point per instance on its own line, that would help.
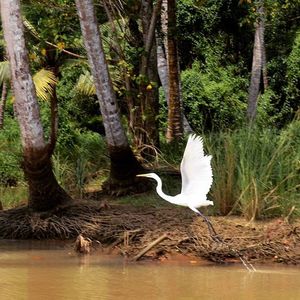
(161, 193)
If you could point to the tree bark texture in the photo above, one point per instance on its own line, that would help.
(175, 128)
(162, 62)
(3, 103)
(148, 89)
(44, 191)
(258, 71)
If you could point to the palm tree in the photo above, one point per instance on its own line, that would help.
(124, 165)
(44, 191)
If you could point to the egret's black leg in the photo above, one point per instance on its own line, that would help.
(211, 228)
(216, 238)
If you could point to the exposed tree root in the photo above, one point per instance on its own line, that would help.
(128, 230)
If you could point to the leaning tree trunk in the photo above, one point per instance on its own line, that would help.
(44, 191)
(124, 165)
(258, 72)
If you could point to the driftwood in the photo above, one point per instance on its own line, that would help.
(82, 245)
(150, 246)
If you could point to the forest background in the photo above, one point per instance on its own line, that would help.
(256, 156)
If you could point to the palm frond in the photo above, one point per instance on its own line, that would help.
(85, 84)
(45, 82)
(4, 71)
(30, 28)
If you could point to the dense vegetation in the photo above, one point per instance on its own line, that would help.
(256, 167)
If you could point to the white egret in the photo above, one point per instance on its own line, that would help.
(197, 178)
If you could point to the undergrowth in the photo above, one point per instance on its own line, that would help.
(256, 171)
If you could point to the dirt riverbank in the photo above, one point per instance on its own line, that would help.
(159, 233)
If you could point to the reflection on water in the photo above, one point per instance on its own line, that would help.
(50, 271)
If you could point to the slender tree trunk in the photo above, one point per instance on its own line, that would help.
(124, 165)
(146, 102)
(44, 191)
(162, 63)
(258, 72)
(175, 128)
(3, 103)
(148, 90)
(263, 48)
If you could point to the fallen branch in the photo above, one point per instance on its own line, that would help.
(150, 246)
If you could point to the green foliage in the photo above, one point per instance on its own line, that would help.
(214, 99)
(53, 21)
(10, 153)
(78, 109)
(211, 22)
(293, 74)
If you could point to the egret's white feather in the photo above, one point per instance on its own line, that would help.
(196, 172)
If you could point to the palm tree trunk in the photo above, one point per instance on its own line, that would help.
(258, 72)
(175, 128)
(44, 191)
(162, 63)
(124, 165)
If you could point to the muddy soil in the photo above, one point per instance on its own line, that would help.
(159, 233)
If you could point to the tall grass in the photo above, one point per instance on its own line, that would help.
(257, 172)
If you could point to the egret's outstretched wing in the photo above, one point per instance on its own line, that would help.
(196, 172)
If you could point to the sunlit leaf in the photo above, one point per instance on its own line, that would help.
(4, 71)
(44, 81)
(85, 84)
(30, 27)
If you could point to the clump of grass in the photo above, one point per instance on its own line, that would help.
(257, 171)
(222, 148)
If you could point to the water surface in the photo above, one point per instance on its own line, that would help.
(39, 270)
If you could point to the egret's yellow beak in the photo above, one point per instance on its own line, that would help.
(142, 175)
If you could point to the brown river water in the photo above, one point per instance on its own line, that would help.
(46, 270)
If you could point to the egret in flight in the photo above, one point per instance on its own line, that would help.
(197, 178)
